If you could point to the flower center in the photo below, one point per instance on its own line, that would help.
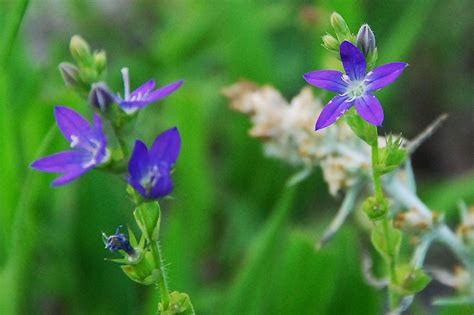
(150, 180)
(355, 89)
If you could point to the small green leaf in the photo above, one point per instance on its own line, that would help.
(361, 128)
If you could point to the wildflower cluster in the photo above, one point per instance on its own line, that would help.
(104, 145)
(373, 172)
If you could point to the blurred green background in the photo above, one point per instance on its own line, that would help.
(51, 253)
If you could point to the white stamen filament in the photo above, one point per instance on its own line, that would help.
(74, 141)
(126, 83)
(150, 180)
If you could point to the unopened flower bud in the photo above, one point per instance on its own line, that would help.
(100, 61)
(331, 43)
(375, 209)
(340, 26)
(70, 73)
(100, 96)
(79, 48)
(366, 40)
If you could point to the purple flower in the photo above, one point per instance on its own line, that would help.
(354, 87)
(88, 143)
(144, 94)
(150, 170)
(118, 241)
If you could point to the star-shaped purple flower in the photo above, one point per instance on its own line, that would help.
(354, 87)
(150, 171)
(144, 94)
(88, 143)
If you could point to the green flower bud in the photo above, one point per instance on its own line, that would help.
(100, 61)
(340, 27)
(88, 75)
(331, 43)
(375, 209)
(80, 50)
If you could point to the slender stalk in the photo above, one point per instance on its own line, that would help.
(385, 221)
(162, 284)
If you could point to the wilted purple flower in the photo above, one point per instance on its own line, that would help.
(144, 94)
(150, 170)
(88, 143)
(118, 241)
(356, 86)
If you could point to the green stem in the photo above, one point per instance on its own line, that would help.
(385, 221)
(162, 284)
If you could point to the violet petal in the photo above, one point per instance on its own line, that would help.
(166, 147)
(62, 161)
(70, 175)
(369, 108)
(330, 80)
(384, 75)
(139, 163)
(164, 91)
(73, 126)
(142, 90)
(333, 111)
(164, 186)
(353, 61)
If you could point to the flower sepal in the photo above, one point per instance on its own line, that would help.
(361, 128)
(374, 209)
(411, 280)
(180, 303)
(142, 273)
(392, 155)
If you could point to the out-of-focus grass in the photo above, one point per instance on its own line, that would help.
(225, 187)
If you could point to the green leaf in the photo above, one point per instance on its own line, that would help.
(361, 128)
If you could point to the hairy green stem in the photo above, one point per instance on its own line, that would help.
(162, 284)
